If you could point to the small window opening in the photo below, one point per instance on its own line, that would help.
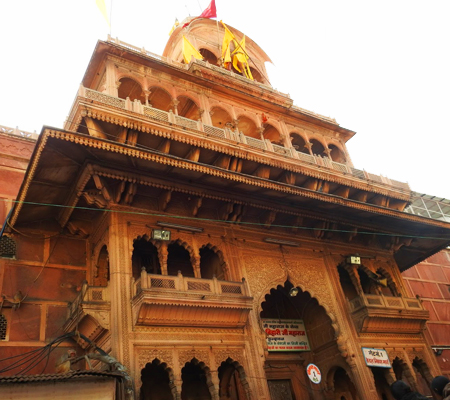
(145, 255)
(7, 247)
(179, 259)
(3, 327)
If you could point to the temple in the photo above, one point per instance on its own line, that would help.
(192, 234)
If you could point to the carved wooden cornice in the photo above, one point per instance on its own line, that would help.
(199, 139)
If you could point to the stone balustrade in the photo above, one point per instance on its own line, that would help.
(234, 136)
(376, 301)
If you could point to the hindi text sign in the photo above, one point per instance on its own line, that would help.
(376, 357)
(285, 335)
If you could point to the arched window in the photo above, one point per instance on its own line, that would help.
(145, 255)
(208, 56)
(346, 283)
(317, 148)
(130, 88)
(343, 386)
(157, 384)
(299, 143)
(248, 127)
(273, 135)
(179, 259)
(336, 154)
(102, 268)
(187, 108)
(256, 75)
(220, 118)
(210, 264)
(160, 99)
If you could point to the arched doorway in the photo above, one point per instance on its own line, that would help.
(196, 381)
(233, 384)
(287, 308)
(157, 382)
(342, 384)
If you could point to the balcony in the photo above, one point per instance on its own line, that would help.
(235, 137)
(385, 314)
(89, 313)
(181, 301)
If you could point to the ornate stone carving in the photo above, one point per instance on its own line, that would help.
(144, 356)
(185, 356)
(221, 355)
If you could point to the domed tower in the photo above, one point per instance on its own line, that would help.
(207, 36)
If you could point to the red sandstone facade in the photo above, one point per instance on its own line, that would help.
(263, 206)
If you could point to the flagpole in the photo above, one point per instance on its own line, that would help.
(110, 19)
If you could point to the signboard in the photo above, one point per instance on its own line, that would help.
(376, 357)
(314, 374)
(285, 335)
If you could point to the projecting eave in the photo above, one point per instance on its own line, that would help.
(64, 163)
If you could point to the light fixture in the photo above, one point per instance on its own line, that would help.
(180, 227)
(293, 292)
(159, 234)
(356, 260)
(281, 242)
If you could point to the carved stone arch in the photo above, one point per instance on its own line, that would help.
(390, 281)
(101, 266)
(400, 368)
(207, 372)
(354, 277)
(96, 252)
(224, 106)
(212, 58)
(337, 152)
(194, 258)
(221, 116)
(372, 286)
(229, 362)
(248, 125)
(132, 92)
(156, 364)
(330, 376)
(320, 139)
(298, 142)
(141, 259)
(223, 263)
(424, 375)
(187, 247)
(341, 339)
(160, 96)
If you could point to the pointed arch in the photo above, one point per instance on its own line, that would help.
(390, 281)
(157, 382)
(233, 383)
(101, 277)
(197, 382)
(212, 263)
(145, 255)
(181, 257)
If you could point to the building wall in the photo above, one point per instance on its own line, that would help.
(431, 281)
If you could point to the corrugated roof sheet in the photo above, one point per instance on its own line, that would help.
(57, 377)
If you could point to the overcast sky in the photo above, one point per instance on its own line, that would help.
(380, 68)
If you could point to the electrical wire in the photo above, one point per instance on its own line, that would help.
(241, 223)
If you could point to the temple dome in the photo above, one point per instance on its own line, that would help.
(206, 36)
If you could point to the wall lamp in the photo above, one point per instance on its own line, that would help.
(293, 292)
(281, 242)
(180, 227)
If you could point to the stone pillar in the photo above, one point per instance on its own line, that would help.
(120, 286)
(111, 85)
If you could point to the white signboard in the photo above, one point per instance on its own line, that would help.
(285, 335)
(376, 357)
(314, 374)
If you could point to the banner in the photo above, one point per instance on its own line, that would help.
(285, 335)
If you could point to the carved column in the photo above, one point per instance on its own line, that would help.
(175, 103)
(163, 255)
(120, 286)
(111, 85)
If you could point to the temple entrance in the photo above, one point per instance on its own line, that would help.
(294, 313)
(157, 382)
(381, 383)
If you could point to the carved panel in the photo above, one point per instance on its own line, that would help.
(221, 355)
(185, 356)
(145, 356)
(261, 271)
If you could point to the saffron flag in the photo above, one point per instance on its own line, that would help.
(102, 7)
(208, 12)
(240, 59)
(190, 51)
(175, 25)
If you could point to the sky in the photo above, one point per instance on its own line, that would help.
(380, 68)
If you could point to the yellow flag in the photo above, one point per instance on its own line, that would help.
(227, 38)
(174, 26)
(240, 59)
(102, 7)
(190, 51)
(227, 58)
